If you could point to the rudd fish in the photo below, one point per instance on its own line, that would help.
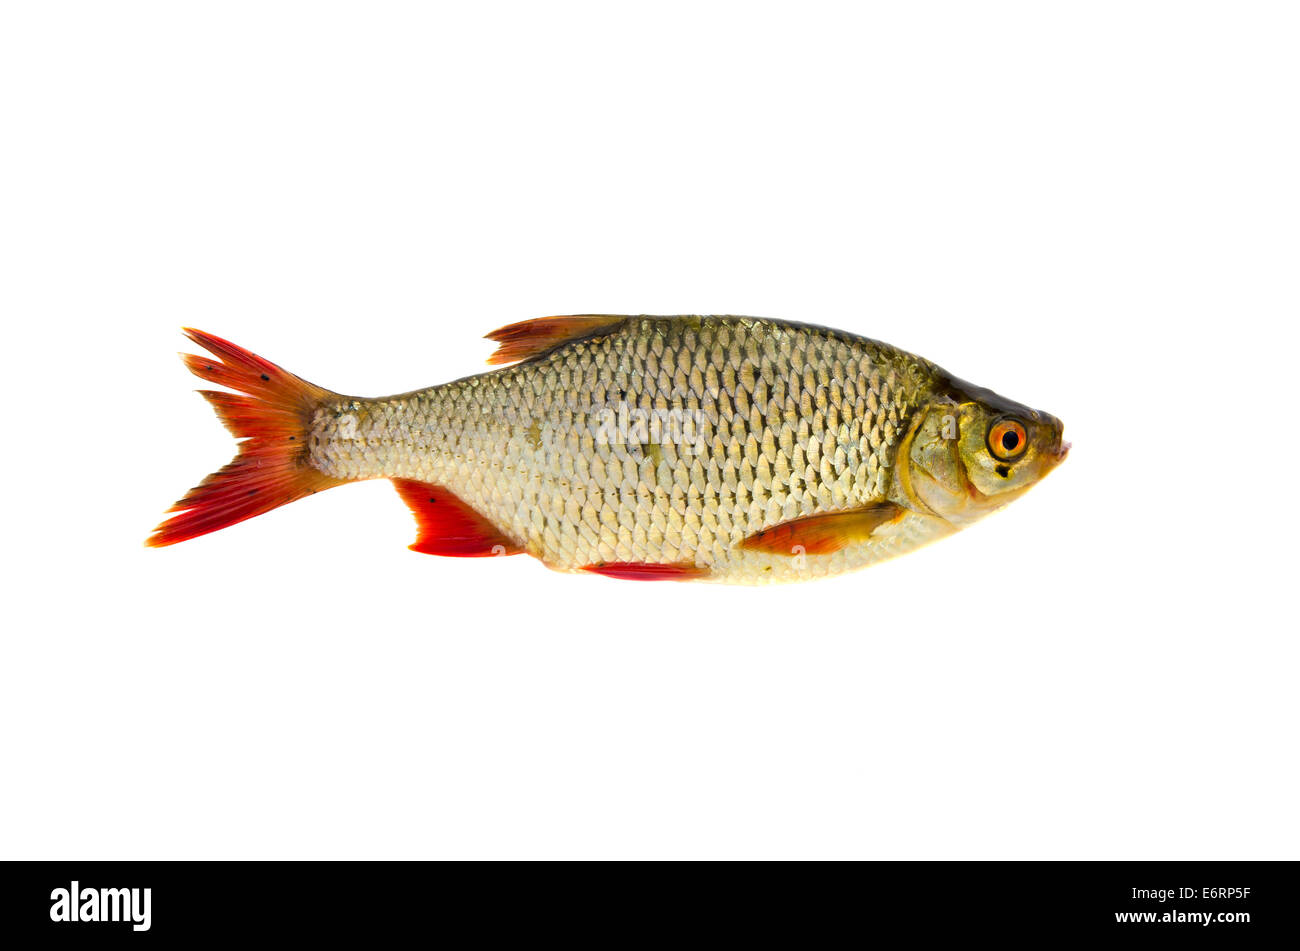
(728, 449)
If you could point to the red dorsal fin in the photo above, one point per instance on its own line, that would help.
(532, 338)
(447, 526)
(638, 571)
(823, 534)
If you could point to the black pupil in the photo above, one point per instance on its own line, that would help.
(1010, 440)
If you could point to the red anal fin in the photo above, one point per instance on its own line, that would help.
(823, 534)
(532, 338)
(447, 526)
(639, 571)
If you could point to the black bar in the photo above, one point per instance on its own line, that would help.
(1223, 902)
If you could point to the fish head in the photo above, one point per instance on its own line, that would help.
(971, 451)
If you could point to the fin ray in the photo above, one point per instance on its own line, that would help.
(532, 338)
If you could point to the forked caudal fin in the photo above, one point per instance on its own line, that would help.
(271, 413)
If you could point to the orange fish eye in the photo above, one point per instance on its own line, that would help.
(1007, 439)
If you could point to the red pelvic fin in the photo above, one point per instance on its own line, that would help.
(271, 414)
(532, 338)
(639, 571)
(823, 534)
(447, 526)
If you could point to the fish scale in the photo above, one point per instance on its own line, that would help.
(793, 387)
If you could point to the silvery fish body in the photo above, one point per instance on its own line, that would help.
(728, 449)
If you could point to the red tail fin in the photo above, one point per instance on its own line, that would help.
(272, 466)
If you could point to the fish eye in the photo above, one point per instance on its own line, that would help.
(1007, 439)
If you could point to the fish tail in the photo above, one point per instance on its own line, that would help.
(270, 413)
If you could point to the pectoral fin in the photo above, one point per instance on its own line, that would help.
(823, 534)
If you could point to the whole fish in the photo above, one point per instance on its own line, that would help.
(730, 449)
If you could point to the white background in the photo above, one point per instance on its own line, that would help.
(1090, 207)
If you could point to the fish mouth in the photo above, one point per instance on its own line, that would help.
(1062, 448)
